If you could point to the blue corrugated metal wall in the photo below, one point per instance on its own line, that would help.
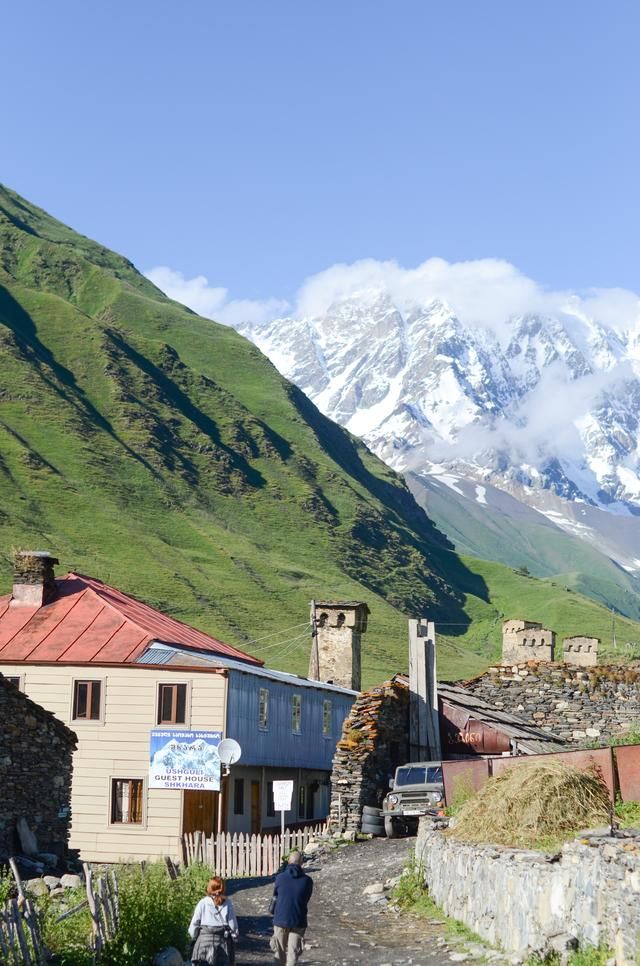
(277, 745)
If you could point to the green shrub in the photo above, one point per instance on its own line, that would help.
(155, 912)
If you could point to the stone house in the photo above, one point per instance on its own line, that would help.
(144, 691)
(526, 641)
(36, 764)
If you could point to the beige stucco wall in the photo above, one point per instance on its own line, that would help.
(581, 650)
(118, 747)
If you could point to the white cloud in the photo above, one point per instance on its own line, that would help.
(213, 302)
(484, 292)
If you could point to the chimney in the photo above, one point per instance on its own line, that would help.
(33, 578)
(336, 643)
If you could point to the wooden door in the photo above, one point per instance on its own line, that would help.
(256, 810)
(199, 811)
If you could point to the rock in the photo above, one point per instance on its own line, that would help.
(70, 881)
(458, 957)
(28, 841)
(311, 847)
(376, 888)
(593, 732)
(57, 892)
(168, 957)
(52, 881)
(37, 887)
(350, 836)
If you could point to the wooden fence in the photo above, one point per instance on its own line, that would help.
(21, 941)
(245, 855)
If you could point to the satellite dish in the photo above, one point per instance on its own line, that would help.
(229, 751)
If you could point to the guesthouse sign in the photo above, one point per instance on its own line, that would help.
(184, 759)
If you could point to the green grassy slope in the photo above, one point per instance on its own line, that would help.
(163, 453)
(519, 537)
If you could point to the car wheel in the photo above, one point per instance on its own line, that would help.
(390, 827)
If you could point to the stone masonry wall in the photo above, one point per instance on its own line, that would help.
(575, 703)
(526, 904)
(36, 753)
(374, 742)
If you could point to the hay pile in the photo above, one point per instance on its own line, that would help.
(536, 805)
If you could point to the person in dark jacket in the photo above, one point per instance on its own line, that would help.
(291, 894)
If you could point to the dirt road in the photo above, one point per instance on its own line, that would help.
(345, 926)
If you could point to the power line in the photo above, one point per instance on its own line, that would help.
(282, 630)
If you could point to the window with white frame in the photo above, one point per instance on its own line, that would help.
(326, 719)
(296, 714)
(263, 709)
(127, 795)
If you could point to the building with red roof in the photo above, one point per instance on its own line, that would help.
(150, 698)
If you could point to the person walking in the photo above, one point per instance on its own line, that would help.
(291, 893)
(214, 927)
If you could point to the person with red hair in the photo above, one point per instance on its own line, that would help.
(214, 928)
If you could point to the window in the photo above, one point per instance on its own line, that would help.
(302, 798)
(238, 796)
(296, 714)
(326, 718)
(126, 801)
(270, 807)
(172, 704)
(263, 709)
(86, 700)
(12, 679)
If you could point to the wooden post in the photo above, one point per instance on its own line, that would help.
(314, 659)
(424, 721)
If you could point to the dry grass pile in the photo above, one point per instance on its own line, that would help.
(536, 805)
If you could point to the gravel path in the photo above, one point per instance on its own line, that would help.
(345, 926)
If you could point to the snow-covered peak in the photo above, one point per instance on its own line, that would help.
(548, 403)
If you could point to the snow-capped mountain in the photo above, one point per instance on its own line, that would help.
(544, 407)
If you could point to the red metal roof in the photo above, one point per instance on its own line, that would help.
(90, 621)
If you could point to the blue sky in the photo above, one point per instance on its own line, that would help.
(258, 143)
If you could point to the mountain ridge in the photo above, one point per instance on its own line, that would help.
(164, 454)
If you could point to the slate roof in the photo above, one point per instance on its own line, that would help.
(91, 621)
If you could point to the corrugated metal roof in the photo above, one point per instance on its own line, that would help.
(529, 738)
(91, 621)
(184, 658)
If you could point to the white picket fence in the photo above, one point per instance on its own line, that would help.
(245, 855)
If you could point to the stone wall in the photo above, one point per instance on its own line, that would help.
(527, 641)
(374, 742)
(580, 650)
(521, 901)
(575, 703)
(36, 752)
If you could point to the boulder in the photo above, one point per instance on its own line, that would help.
(70, 881)
(28, 841)
(37, 887)
(375, 889)
(168, 957)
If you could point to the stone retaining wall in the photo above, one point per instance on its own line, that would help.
(527, 903)
(577, 704)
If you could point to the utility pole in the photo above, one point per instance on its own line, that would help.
(314, 660)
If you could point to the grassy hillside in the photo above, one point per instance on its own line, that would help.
(518, 536)
(163, 453)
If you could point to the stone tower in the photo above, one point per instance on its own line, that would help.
(336, 644)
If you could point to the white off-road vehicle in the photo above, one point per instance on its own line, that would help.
(416, 789)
